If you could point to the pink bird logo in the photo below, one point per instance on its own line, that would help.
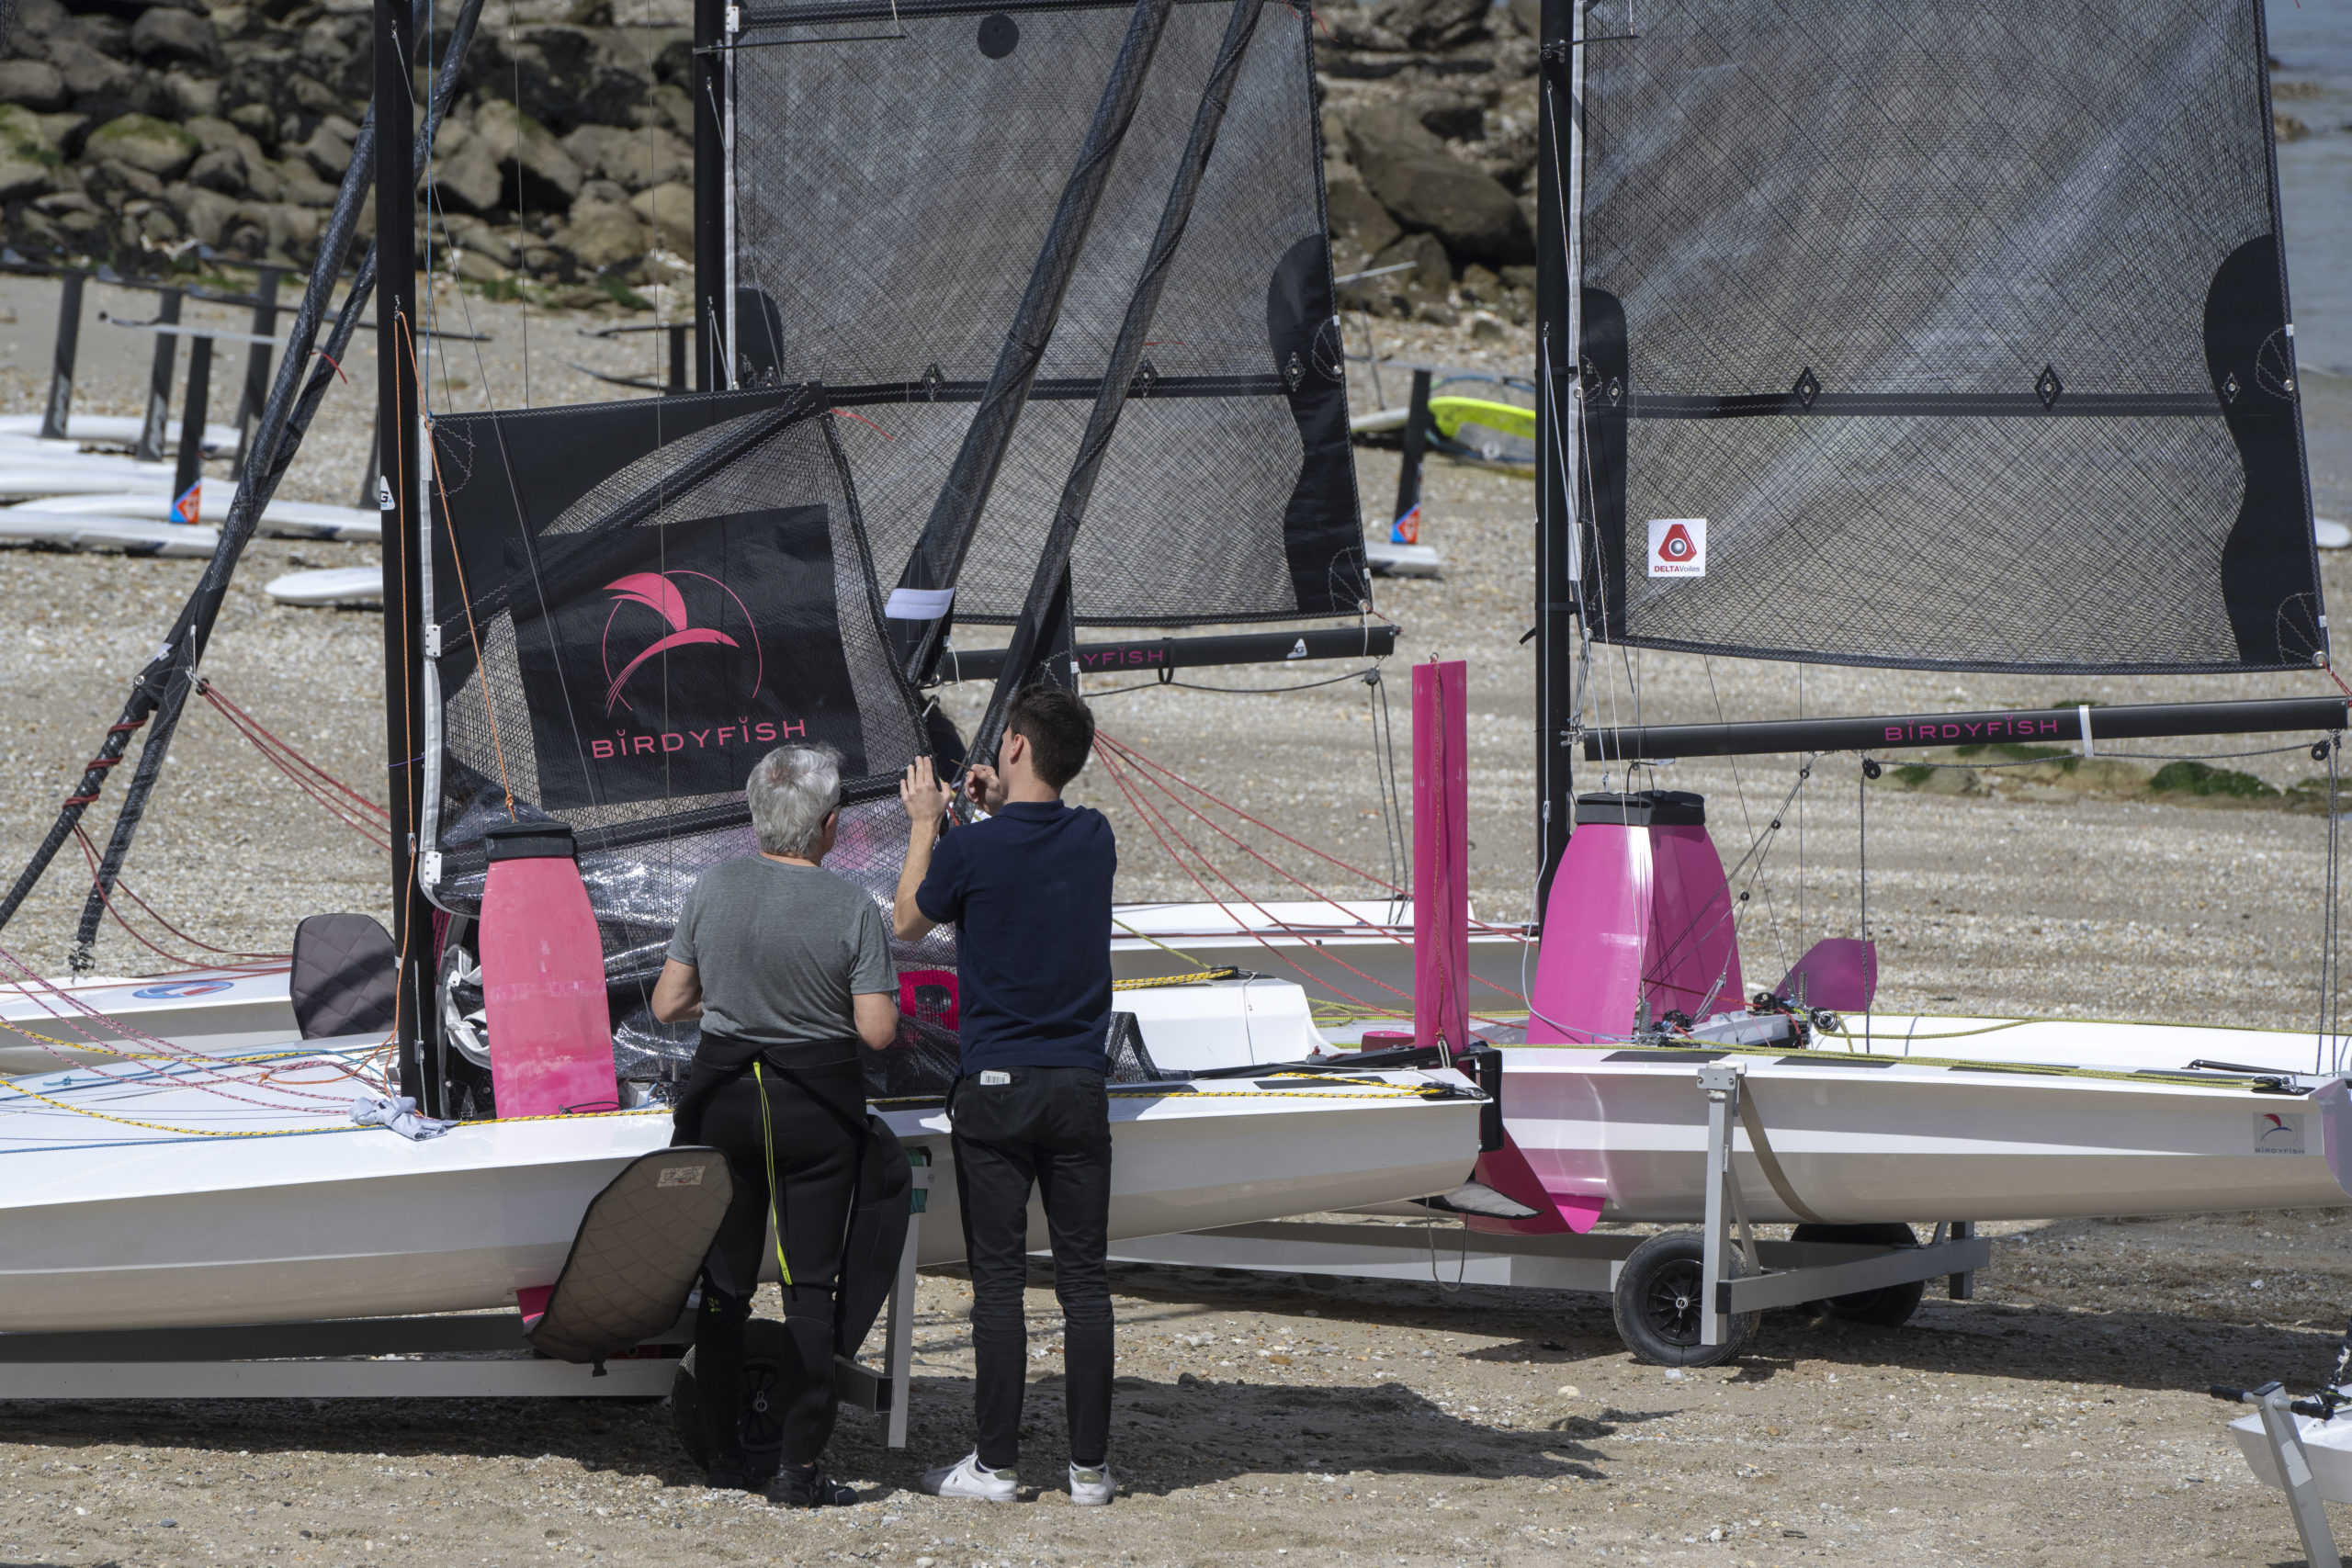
(656, 591)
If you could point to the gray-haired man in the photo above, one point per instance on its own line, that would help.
(789, 968)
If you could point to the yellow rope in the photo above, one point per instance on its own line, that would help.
(1197, 978)
(183, 1132)
(1159, 945)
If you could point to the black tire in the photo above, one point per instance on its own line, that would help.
(764, 1345)
(1658, 1308)
(1889, 1306)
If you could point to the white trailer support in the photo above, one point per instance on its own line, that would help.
(1739, 1274)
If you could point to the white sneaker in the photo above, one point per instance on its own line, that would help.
(967, 1477)
(1091, 1488)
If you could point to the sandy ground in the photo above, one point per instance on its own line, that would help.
(2058, 1417)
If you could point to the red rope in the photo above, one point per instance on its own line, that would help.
(1282, 871)
(371, 829)
(1155, 822)
(1135, 756)
(90, 854)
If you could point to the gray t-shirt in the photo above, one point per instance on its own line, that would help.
(780, 949)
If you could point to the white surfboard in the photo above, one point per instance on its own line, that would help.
(119, 536)
(340, 587)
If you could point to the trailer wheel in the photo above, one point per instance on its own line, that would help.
(1889, 1306)
(1660, 1308)
(763, 1425)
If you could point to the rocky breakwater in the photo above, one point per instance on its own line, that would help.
(156, 135)
(1429, 133)
(161, 134)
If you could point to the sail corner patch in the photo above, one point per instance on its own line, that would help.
(918, 603)
(1677, 546)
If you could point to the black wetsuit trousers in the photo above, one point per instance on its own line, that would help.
(812, 1124)
(1049, 1129)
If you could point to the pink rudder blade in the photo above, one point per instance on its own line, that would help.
(1589, 969)
(1441, 854)
(543, 979)
(1693, 962)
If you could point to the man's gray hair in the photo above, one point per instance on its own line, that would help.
(792, 790)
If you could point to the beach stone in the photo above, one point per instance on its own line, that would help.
(329, 149)
(602, 235)
(192, 96)
(222, 170)
(32, 85)
(1431, 272)
(169, 36)
(208, 212)
(153, 146)
(29, 160)
(1356, 214)
(669, 211)
(536, 167)
(1427, 187)
(1433, 24)
(87, 73)
(639, 159)
(469, 178)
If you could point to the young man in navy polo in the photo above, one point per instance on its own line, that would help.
(1028, 889)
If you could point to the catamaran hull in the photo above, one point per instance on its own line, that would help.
(360, 1222)
(1855, 1144)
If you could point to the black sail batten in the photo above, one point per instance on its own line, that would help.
(895, 250)
(1994, 377)
(1047, 606)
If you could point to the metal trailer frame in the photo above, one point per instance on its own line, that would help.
(449, 1355)
(1740, 1274)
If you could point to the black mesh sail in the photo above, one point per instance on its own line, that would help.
(631, 604)
(1939, 335)
(891, 196)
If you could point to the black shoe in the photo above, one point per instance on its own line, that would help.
(796, 1487)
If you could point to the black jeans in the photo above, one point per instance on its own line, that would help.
(816, 1154)
(1049, 1127)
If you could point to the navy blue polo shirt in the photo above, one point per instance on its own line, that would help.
(1029, 893)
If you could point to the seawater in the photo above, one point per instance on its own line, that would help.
(2311, 43)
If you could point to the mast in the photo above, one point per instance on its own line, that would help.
(398, 495)
(1559, 146)
(711, 260)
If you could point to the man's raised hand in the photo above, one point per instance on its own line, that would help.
(923, 795)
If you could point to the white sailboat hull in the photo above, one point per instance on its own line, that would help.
(104, 1225)
(1857, 1144)
(44, 1027)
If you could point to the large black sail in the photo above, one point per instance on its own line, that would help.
(1938, 335)
(890, 200)
(631, 604)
